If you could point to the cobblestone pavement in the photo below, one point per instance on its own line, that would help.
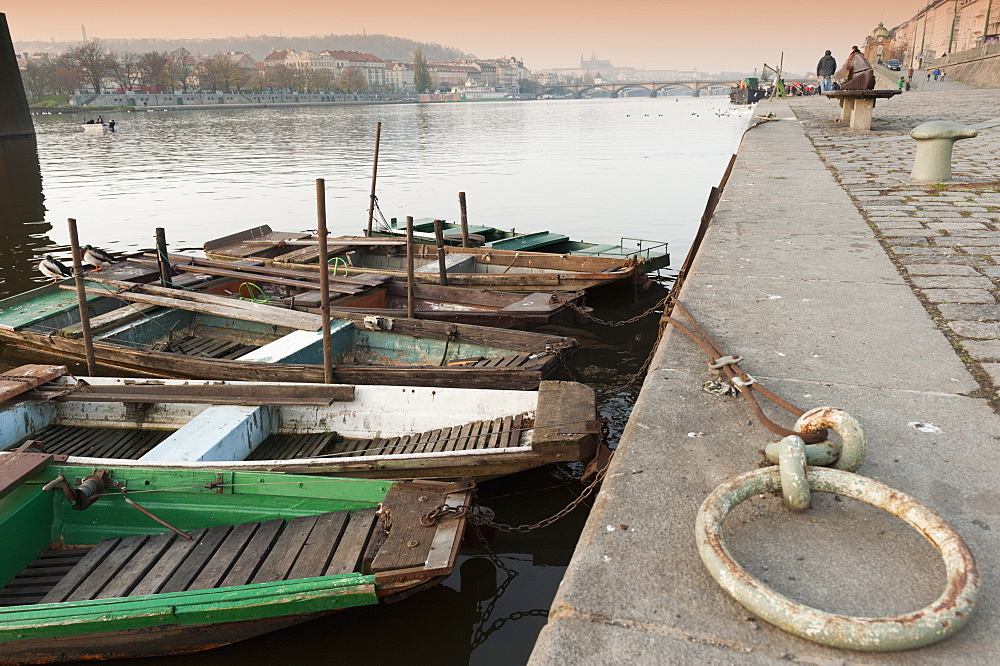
(944, 238)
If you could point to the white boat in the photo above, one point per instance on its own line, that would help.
(96, 128)
(385, 432)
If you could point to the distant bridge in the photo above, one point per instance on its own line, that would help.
(655, 88)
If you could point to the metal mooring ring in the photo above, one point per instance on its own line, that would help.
(946, 615)
(852, 435)
(792, 467)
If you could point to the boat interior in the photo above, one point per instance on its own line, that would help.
(239, 536)
(420, 421)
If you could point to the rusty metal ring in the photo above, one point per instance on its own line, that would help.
(852, 435)
(946, 615)
(794, 480)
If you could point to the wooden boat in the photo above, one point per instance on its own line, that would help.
(503, 270)
(652, 255)
(193, 559)
(372, 431)
(159, 332)
(369, 293)
(97, 128)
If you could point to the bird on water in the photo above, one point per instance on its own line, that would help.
(53, 268)
(96, 257)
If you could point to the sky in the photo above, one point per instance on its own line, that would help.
(724, 35)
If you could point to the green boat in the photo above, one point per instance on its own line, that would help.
(192, 559)
(652, 255)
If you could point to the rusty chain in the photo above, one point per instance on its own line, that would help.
(476, 518)
(624, 322)
(482, 635)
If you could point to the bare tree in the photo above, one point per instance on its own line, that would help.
(35, 77)
(65, 76)
(351, 80)
(127, 69)
(280, 77)
(221, 72)
(154, 66)
(94, 60)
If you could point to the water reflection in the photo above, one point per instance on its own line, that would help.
(22, 213)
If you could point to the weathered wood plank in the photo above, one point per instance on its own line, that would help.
(217, 568)
(319, 547)
(282, 556)
(16, 467)
(196, 559)
(347, 557)
(18, 380)
(91, 586)
(79, 573)
(167, 564)
(196, 301)
(254, 553)
(141, 562)
(408, 543)
(318, 395)
(504, 435)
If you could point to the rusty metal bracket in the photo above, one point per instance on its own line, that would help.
(88, 489)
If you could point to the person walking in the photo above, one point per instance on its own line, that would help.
(909, 74)
(859, 72)
(824, 70)
(899, 84)
(937, 73)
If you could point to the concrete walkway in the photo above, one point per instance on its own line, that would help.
(794, 279)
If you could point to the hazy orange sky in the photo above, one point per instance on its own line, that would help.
(724, 35)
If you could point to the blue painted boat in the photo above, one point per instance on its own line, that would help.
(151, 331)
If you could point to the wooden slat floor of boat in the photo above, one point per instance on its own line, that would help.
(222, 556)
(127, 443)
(207, 347)
(36, 580)
(498, 433)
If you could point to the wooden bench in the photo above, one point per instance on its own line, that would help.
(856, 105)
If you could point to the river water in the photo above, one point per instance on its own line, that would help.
(595, 170)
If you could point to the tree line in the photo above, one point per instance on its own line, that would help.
(93, 66)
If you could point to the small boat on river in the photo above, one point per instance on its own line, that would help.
(652, 255)
(503, 270)
(152, 331)
(368, 293)
(345, 430)
(193, 559)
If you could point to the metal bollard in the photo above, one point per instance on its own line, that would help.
(935, 141)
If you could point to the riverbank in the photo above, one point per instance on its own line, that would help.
(842, 284)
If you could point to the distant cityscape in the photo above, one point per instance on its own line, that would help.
(96, 66)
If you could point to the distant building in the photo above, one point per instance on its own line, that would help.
(399, 76)
(940, 28)
(371, 66)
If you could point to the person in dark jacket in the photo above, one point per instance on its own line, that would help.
(859, 72)
(824, 70)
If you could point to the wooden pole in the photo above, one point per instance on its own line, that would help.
(409, 266)
(439, 239)
(465, 219)
(162, 258)
(324, 281)
(81, 298)
(371, 197)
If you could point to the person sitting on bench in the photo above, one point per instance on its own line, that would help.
(859, 72)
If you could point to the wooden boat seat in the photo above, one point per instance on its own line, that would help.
(222, 556)
(529, 241)
(233, 246)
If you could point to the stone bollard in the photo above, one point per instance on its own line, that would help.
(935, 141)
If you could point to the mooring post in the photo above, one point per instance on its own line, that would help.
(465, 219)
(324, 280)
(162, 258)
(409, 266)
(371, 197)
(439, 239)
(81, 297)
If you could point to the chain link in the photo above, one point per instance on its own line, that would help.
(605, 322)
